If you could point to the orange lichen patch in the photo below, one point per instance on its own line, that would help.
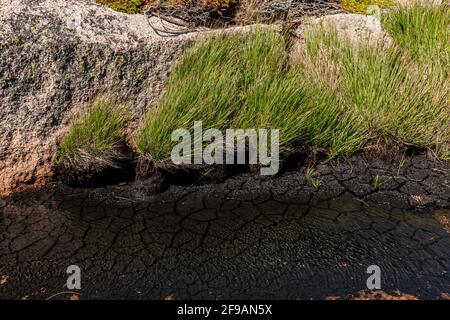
(376, 295)
(419, 199)
(445, 296)
(74, 297)
(3, 280)
(443, 217)
(381, 295)
(34, 172)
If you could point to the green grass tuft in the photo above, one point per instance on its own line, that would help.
(97, 131)
(388, 94)
(243, 81)
(423, 31)
(338, 97)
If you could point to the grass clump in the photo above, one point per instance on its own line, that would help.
(392, 96)
(313, 177)
(361, 6)
(340, 96)
(243, 81)
(97, 132)
(422, 30)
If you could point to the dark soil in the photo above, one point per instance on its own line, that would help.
(248, 237)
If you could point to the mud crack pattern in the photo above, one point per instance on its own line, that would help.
(246, 238)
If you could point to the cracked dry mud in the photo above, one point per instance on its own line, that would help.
(246, 238)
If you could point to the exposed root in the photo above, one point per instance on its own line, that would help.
(84, 167)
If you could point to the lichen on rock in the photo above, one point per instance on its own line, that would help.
(55, 57)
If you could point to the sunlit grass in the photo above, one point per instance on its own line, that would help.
(96, 131)
(244, 82)
(423, 31)
(390, 94)
(339, 97)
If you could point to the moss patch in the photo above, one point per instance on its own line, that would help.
(360, 6)
(127, 6)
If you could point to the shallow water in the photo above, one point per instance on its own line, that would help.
(205, 243)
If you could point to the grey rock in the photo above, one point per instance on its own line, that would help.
(356, 28)
(58, 55)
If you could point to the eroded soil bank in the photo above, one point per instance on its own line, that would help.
(245, 238)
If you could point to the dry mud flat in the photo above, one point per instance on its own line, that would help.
(245, 238)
